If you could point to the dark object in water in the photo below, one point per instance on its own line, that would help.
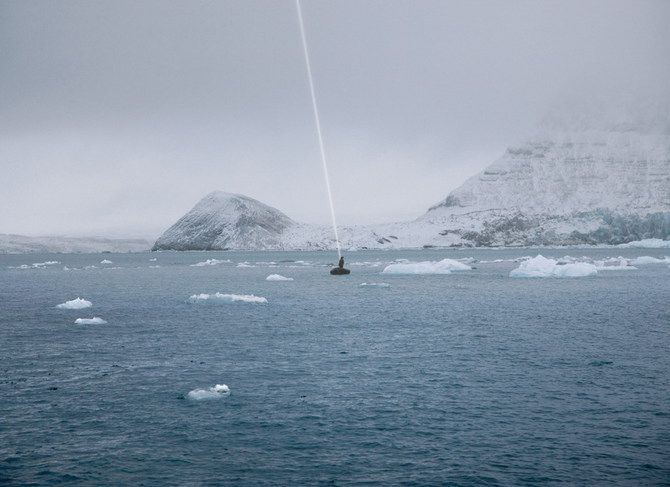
(339, 271)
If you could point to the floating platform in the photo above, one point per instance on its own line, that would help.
(339, 271)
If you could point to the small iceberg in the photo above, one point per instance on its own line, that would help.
(614, 264)
(216, 392)
(367, 263)
(106, 262)
(208, 262)
(647, 260)
(375, 284)
(648, 243)
(245, 264)
(77, 303)
(90, 321)
(444, 266)
(36, 265)
(542, 267)
(227, 298)
(278, 277)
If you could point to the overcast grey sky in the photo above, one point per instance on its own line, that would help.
(117, 117)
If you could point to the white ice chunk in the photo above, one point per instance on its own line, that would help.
(375, 284)
(208, 262)
(366, 263)
(77, 303)
(445, 266)
(278, 277)
(90, 321)
(36, 265)
(646, 260)
(228, 298)
(613, 264)
(542, 267)
(105, 262)
(216, 392)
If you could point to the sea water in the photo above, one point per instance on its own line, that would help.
(467, 378)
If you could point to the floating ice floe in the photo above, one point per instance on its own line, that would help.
(90, 321)
(444, 266)
(646, 260)
(36, 265)
(648, 243)
(227, 298)
(245, 264)
(375, 284)
(613, 264)
(278, 277)
(153, 260)
(216, 392)
(367, 264)
(106, 262)
(77, 303)
(208, 262)
(542, 267)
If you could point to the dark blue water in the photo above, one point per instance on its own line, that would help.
(472, 378)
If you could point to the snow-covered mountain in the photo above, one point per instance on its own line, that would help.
(578, 182)
(226, 221)
(591, 186)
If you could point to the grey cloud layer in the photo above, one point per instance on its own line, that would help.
(115, 117)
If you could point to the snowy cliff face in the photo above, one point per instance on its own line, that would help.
(226, 221)
(571, 173)
(592, 186)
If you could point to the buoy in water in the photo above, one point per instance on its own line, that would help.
(339, 271)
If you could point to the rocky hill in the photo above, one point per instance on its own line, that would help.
(226, 221)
